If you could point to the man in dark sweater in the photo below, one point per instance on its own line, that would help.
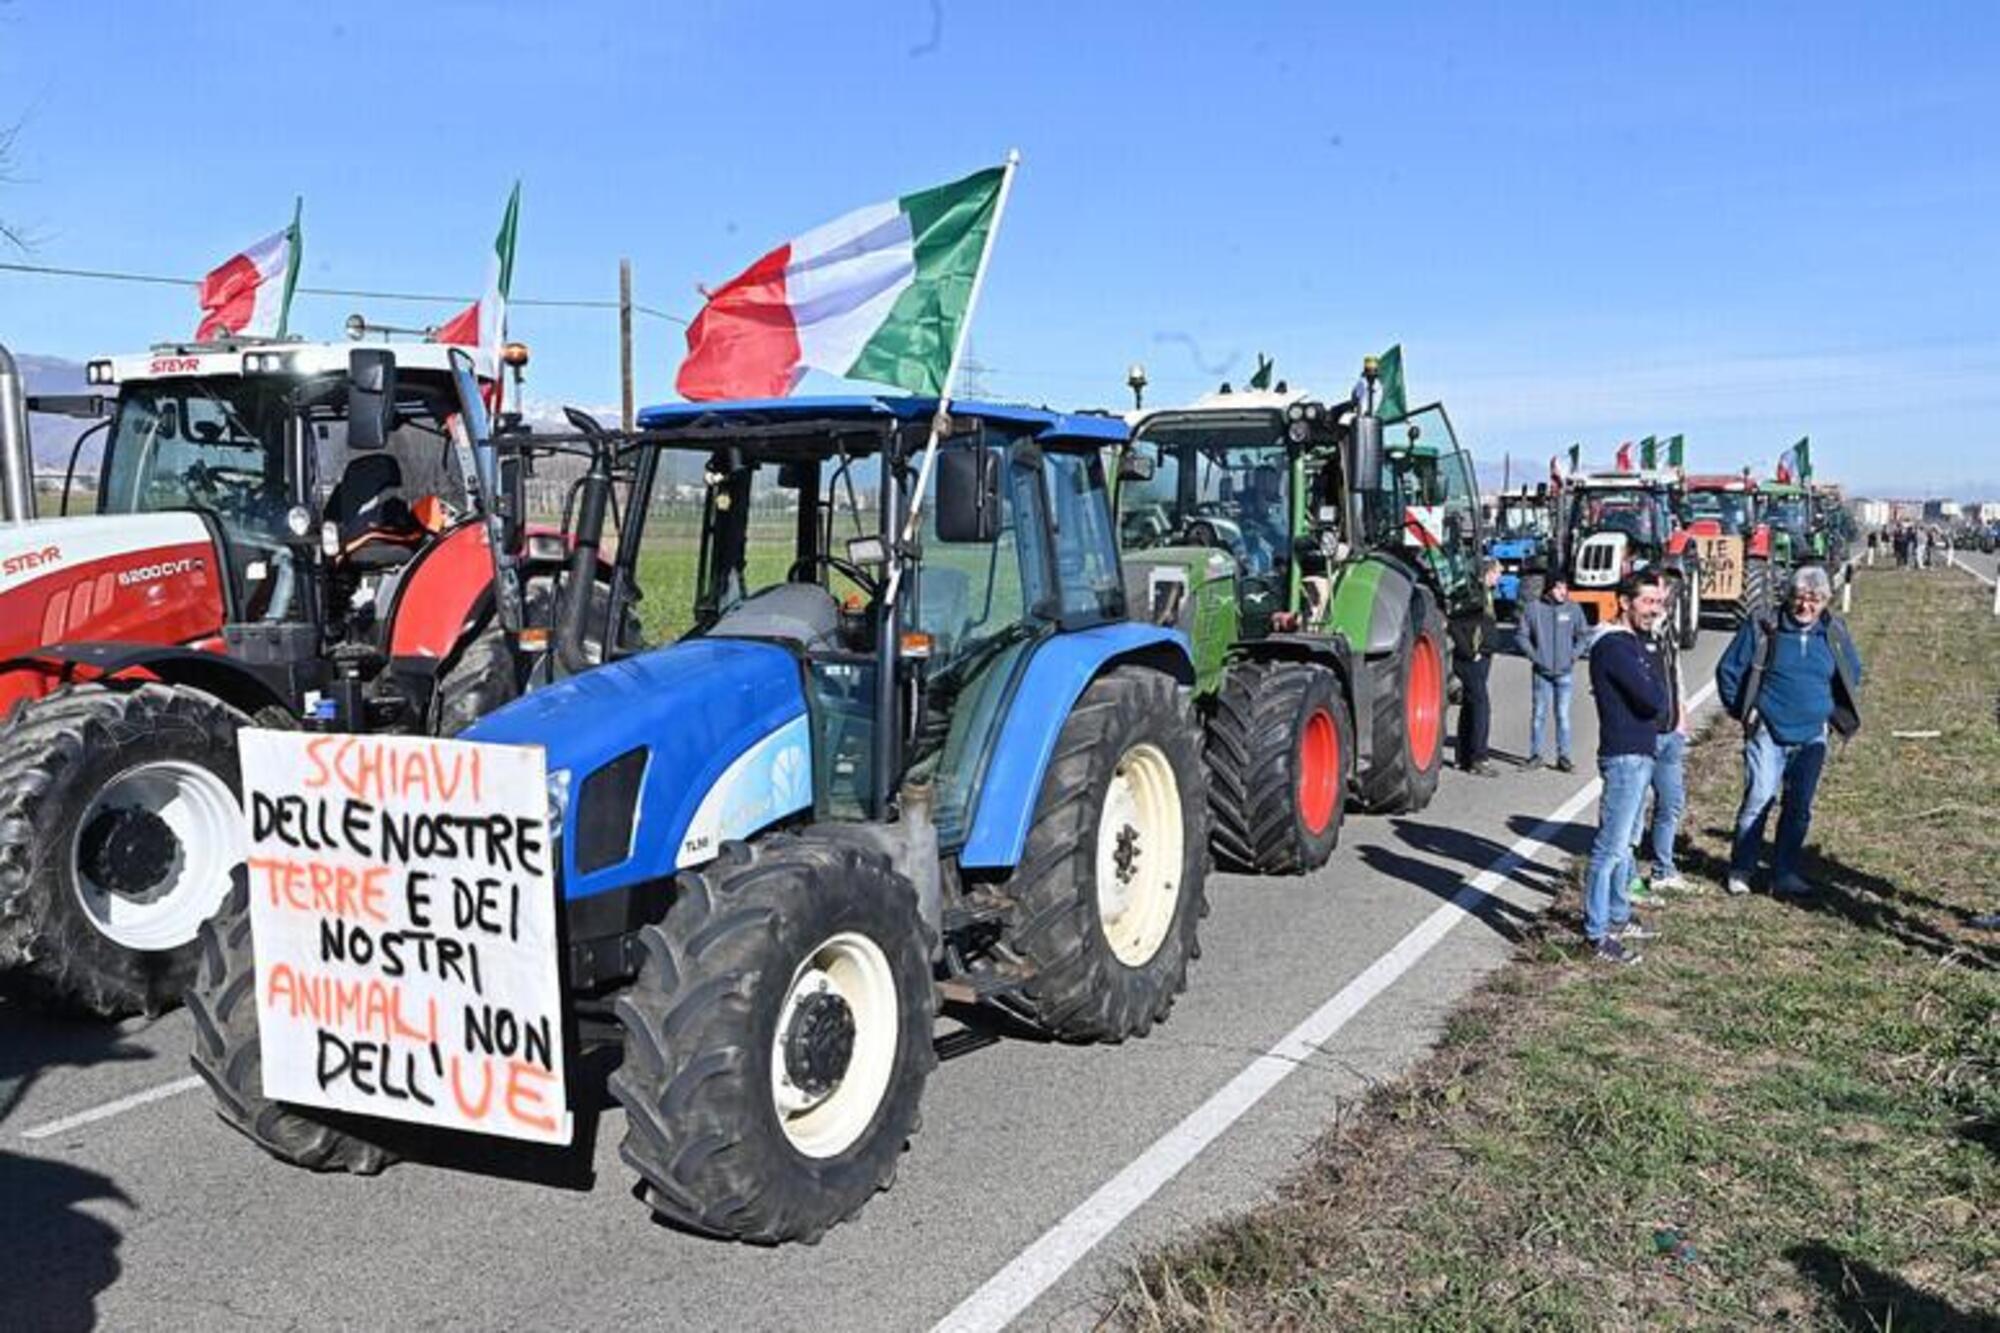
(1473, 632)
(1787, 680)
(1630, 697)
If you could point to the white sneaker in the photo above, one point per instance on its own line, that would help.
(1674, 883)
(1738, 886)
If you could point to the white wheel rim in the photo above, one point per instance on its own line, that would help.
(1139, 855)
(207, 823)
(827, 1123)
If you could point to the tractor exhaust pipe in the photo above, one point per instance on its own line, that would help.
(573, 616)
(17, 462)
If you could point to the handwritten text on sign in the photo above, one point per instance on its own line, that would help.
(403, 909)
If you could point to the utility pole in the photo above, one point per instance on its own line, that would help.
(625, 340)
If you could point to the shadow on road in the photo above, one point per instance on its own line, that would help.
(1868, 1300)
(59, 1257)
(33, 1044)
(1468, 855)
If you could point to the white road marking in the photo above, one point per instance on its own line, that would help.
(1014, 1288)
(111, 1108)
(1970, 570)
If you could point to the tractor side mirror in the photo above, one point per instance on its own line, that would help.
(371, 397)
(1368, 460)
(968, 495)
(1135, 466)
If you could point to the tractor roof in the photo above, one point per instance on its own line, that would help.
(179, 360)
(1720, 481)
(1042, 424)
(1655, 479)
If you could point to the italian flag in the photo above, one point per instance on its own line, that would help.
(879, 294)
(484, 322)
(250, 295)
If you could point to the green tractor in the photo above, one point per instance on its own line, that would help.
(1310, 600)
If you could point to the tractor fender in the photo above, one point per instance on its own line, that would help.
(669, 754)
(1760, 543)
(61, 664)
(1328, 650)
(442, 591)
(1056, 676)
(1372, 600)
(1680, 542)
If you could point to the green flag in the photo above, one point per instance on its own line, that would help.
(1261, 379)
(1576, 458)
(1802, 451)
(1393, 405)
(1676, 452)
(1649, 453)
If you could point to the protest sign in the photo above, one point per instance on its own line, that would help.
(1721, 568)
(403, 907)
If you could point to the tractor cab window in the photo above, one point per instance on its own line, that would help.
(218, 447)
(1523, 517)
(1633, 513)
(1220, 481)
(1789, 513)
(1087, 581)
(1728, 510)
(1430, 500)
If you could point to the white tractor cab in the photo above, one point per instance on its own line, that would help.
(1617, 523)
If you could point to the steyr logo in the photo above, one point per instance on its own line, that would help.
(174, 365)
(27, 560)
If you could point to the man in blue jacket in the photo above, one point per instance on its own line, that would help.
(1631, 697)
(1553, 633)
(1788, 680)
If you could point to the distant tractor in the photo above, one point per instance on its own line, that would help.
(1721, 511)
(1523, 541)
(1311, 599)
(878, 775)
(292, 533)
(1617, 523)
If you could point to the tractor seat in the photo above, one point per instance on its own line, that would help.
(801, 613)
(377, 529)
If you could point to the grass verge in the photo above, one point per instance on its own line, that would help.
(1788, 1116)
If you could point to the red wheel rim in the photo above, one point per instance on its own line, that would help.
(1319, 772)
(1423, 707)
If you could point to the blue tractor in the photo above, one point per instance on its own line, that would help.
(1524, 542)
(887, 766)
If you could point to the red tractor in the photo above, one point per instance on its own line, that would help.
(303, 534)
(1724, 512)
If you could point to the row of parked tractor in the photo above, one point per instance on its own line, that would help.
(1026, 677)
(1726, 542)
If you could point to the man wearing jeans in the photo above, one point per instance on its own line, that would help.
(1552, 634)
(1669, 760)
(1788, 680)
(1631, 697)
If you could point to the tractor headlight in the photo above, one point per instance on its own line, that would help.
(558, 801)
(299, 521)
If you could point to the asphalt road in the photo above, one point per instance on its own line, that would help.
(1986, 566)
(153, 1215)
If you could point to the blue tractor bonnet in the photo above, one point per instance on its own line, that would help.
(1042, 424)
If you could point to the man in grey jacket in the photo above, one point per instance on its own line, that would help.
(1554, 635)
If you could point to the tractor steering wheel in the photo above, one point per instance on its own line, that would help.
(809, 566)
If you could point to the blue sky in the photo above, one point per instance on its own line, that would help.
(1588, 221)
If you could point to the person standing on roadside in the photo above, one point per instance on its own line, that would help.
(1630, 697)
(1472, 634)
(1788, 679)
(1669, 759)
(1553, 634)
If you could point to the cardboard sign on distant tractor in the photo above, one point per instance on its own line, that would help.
(1721, 568)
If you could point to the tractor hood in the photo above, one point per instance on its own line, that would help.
(654, 760)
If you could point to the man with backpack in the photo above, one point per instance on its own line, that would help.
(1788, 679)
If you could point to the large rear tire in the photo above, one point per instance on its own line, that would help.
(1407, 717)
(120, 822)
(1758, 591)
(223, 1004)
(777, 1040)
(1110, 891)
(1690, 609)
(1277, 745)
(480, 679)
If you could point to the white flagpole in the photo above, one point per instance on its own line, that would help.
(940, 417)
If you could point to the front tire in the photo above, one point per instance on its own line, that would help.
(777, 1040)
(1277, 746)
(120, 822)
(223, 1004)
(1111, 888)
(1407, 715)
(479, 680)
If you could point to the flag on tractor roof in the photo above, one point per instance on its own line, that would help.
(1394, 404)
(1624, 463)
(879, 294)
(1784, 473)
(484, 322)
(1649, 453)
(249, 295)
(1260, 379)
(1676, 452)
(1802, 458)
(1555, 472)
(1575, 458)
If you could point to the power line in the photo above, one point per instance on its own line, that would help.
(154, 279)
